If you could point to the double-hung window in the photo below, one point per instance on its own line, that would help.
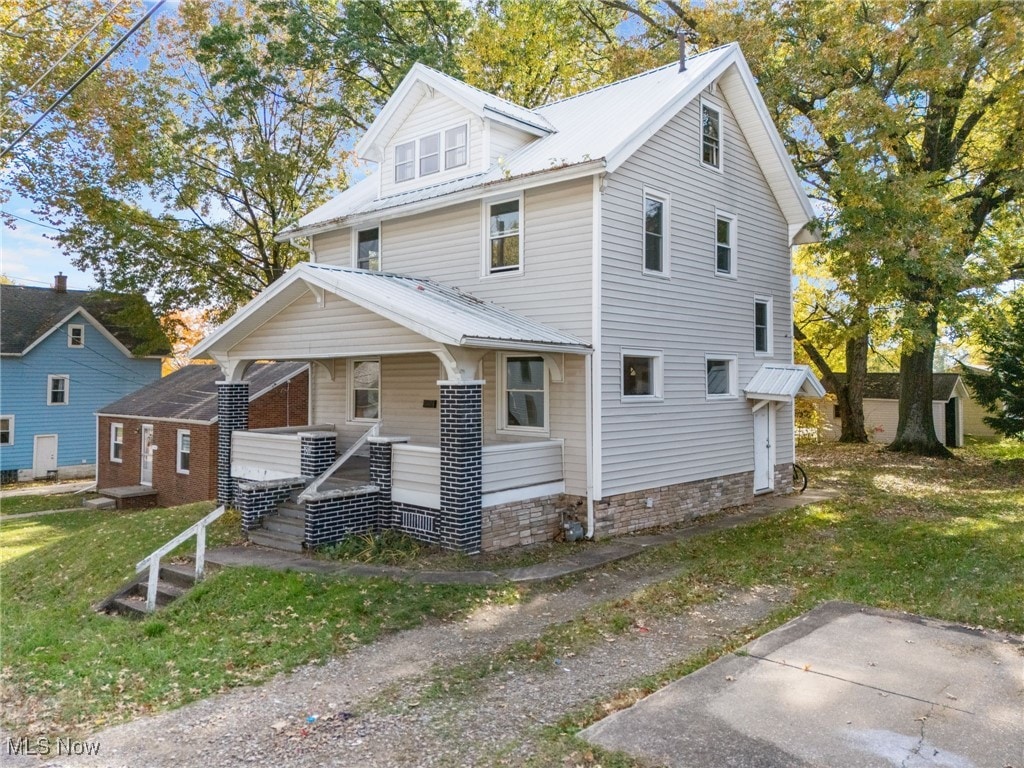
(641, 375)
(504, 236)
(405, 161)
(524, 389)
(76, 335)
(184, 451)
(364, 390)
(455, 145)
(368, 249)
(725, 244)
(656, 230)
(117, 442)
(721, 376)
(57, 390)
(762, 326)
(6, 430)
(430, 154)
(710, 136)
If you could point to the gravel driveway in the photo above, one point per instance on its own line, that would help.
(367, 709)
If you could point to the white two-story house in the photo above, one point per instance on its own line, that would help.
(579, 311)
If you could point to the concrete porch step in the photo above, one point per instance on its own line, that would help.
(275, 540)
(102, 502)
(291, 509)
(291, 526)
(174, 581)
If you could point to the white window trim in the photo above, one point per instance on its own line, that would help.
(420, 156)
(485, 229)
(415, 160)
(49, 388)
(770, 319)
(178, 451)
(71, 330)
(657, 375)
(501, 411)
(380, 244)
(733, 253)
(114, 426)
(733, 378)
(10, 430)
(351, 394)
(445, 148)
(711, 104)
(666, 234)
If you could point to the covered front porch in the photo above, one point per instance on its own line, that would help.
(428, 406)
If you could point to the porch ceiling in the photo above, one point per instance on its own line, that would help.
(433, 312)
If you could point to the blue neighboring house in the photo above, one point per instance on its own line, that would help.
(63, 356)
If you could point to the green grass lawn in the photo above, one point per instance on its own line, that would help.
(17, 505)
(67, 669)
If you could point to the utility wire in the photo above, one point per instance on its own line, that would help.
(30, 221)
(57, 63)
(81, 80)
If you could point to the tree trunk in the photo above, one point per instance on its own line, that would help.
(851, 394)
(916, 431)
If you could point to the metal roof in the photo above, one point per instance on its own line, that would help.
(190, 393)
(783, 382)
(600, 128)
(438, 312)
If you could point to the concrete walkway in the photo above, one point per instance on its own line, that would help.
(47, 489)
(583, 558)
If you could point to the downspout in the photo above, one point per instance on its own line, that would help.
(589, 409)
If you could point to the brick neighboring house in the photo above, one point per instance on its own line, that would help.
(164, 436)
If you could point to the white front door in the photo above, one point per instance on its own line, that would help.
(764, 448)
(147, 455)
(44, 455)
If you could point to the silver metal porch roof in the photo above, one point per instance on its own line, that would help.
(774, 381)
(438, 312)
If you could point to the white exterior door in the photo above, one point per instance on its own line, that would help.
(147, 455)
(764, 448)
(44, 455)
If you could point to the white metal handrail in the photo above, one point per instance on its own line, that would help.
(313, 487)
(153, 561)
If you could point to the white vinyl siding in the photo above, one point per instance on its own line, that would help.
(504, 140)
(337, 248)
(430, 117)
(687, 437)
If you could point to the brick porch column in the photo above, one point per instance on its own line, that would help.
(232, 414)
(460, 522)
(380, 475)
(317, 451)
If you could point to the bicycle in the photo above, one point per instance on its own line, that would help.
(799, 478)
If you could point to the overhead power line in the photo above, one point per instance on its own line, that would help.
(82, 79)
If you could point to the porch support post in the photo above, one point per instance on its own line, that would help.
(380, 475)
(461, 442)
(232, 414)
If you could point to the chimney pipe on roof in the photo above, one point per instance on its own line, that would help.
(60, 283)
(681, 35)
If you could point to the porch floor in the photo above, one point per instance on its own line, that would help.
(131, 496)
(355, 472)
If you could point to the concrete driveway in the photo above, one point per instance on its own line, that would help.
(843, 686)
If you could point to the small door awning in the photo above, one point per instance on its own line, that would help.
(783, 382)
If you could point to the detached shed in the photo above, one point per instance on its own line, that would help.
(882, 408)
(158, 445)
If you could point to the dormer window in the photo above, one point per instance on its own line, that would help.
(430, 154)
(455, 143)
(405, 161)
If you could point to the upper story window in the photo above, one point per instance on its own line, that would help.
(725, 244)
(710, 136)
(57, 390)
(76, 335)
(430, 154)
(116, 442)
(364, 390)
(424, 155)
(641, 375)
(524, 390)
(763, 326)
(6, 430)
(456, 145)
(504, 240)
(656, 221)
(405, 161)
(368, 249)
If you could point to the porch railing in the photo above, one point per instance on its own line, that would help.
(153, 561)
(313, 487)
(269, 454)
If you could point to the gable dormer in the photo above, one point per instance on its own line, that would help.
(436, 129)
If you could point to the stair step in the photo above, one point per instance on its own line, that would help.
(166, 592)
(179, 575)
(286, 525)
(101, 502)
(292, 510)
(275, 540)
(131, 606)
